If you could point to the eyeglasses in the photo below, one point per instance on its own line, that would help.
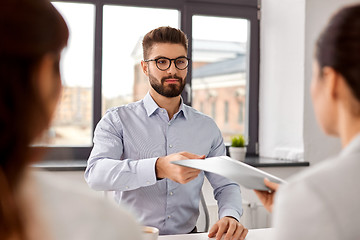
(164, 63)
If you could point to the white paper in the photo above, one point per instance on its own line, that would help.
(239, 172)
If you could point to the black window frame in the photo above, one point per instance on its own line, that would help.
(247, 9)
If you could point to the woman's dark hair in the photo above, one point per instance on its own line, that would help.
(29, 29)
(338, 46)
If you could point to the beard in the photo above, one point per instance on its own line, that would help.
(171, 90)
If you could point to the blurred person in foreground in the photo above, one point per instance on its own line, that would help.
(323, 202)
(35, 205)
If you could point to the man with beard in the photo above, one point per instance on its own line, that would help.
(135, 144)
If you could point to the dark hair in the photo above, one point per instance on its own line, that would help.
(29, 30)
(338, 46)
(163, 35)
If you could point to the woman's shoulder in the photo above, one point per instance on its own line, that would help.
(76, 212)
(323, 198)
(326, 183)
(332, 172)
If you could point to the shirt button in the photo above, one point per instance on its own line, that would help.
(170, 146)
(127, 187)
(169, 123)
(171, 193)
(147, 182)
(169, 216)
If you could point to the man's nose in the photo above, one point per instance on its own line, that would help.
(172, 68)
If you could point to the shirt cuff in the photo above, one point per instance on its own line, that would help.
(229, 213)
(146, 172)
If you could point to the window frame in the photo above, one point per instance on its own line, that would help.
(241, 113)
(247, 9)
(226, 112)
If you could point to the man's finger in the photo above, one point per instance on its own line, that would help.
(192, 156)
(190, 179)
(220, 231)
(238, 233)
(244, 233)
(231, 230)
(213, 231)
(193, 172)
(188, 174)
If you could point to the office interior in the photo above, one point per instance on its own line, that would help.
(286, 125)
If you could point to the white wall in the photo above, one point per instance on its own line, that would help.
(317, 145)
(288, 33)
(281, 76)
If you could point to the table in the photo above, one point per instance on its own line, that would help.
(254, 234)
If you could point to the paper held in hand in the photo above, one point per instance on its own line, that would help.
(234, 170)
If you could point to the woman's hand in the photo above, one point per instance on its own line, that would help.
(267, 197)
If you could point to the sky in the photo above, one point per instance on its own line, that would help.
(122, 29)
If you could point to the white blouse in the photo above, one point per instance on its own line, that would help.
(322, 202)
(55, 208)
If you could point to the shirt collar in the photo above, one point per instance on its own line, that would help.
(182, 108)
(151, 106)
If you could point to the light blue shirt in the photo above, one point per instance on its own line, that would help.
(127, 142)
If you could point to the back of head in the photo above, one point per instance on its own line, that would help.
(338, 47)
(163, 35)
(29, 30)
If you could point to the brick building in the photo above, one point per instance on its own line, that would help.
(218, 82)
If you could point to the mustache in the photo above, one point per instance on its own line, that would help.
(171, 77)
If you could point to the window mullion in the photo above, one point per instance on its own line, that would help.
(97, 64)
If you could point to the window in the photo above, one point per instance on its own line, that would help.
(122, 78)
(100, 67)
(225, 50)
(72, 125)
(201, 109)
(220, 66)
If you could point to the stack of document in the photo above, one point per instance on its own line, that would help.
(232, 169)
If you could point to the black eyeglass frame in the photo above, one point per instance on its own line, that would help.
(170, 60)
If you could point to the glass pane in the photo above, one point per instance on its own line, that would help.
(122, 78)
(72, 125)
(219, 75)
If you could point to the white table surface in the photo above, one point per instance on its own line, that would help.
(254, 234)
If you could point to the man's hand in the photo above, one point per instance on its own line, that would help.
(233, 229)
(165, 169)
(267, 197)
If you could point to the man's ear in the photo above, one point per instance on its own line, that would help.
(145, 68)
(331, 81)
